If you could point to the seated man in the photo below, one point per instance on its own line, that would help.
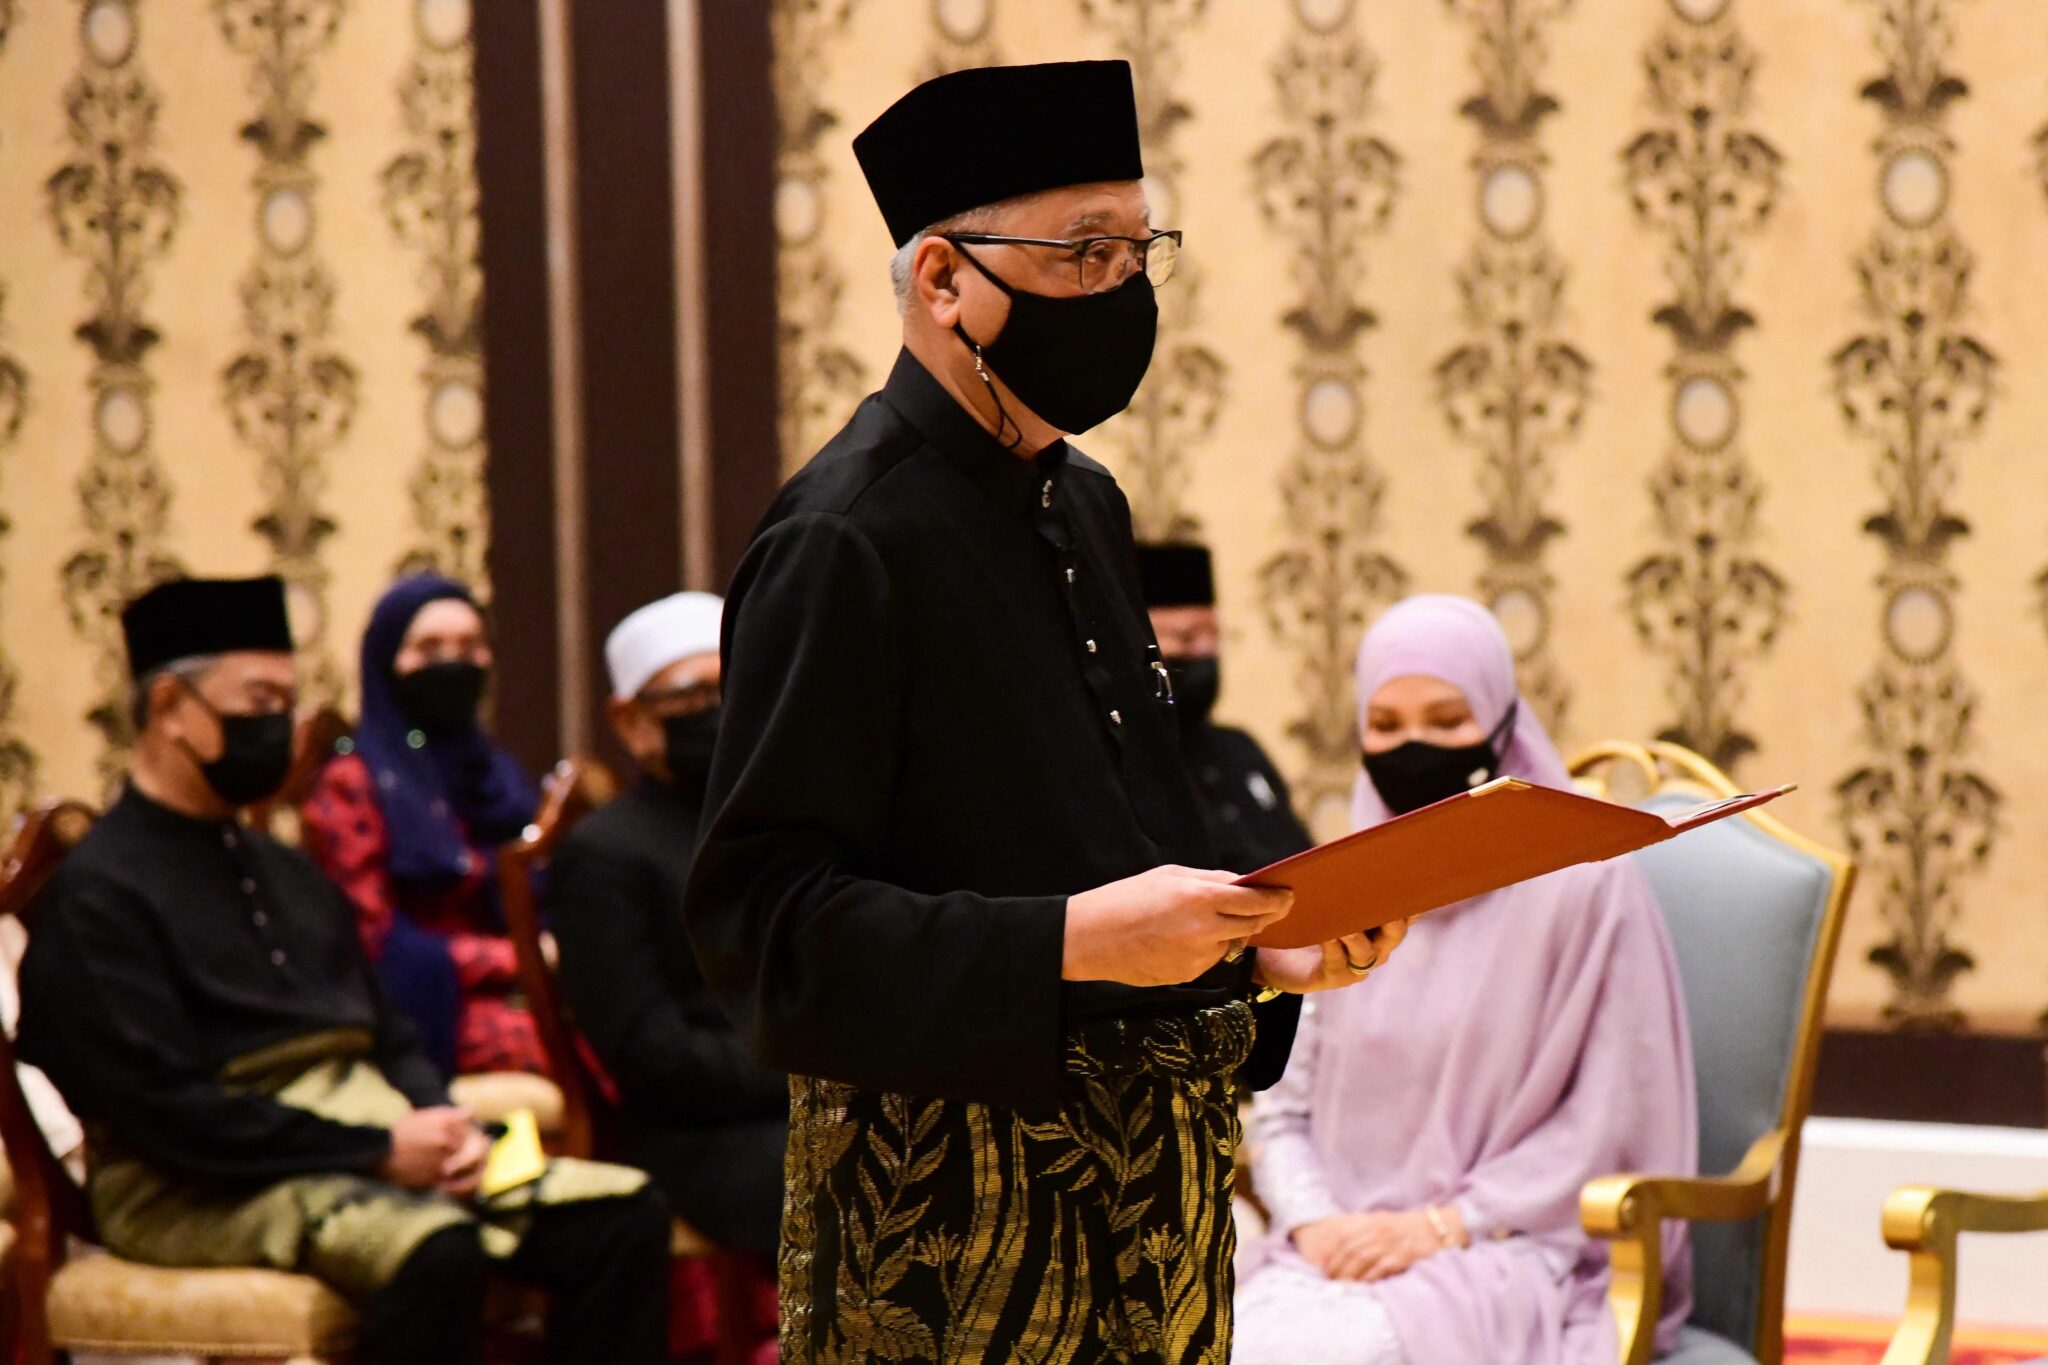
(198, 993)
(1243, 797)
(697, 1112)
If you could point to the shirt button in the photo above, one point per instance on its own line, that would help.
(1045, 498)
(1070, 575)
(1116, 718)
(227, 836)
(260, 918)
(277, 957)
(248, 886)
(1091, 646)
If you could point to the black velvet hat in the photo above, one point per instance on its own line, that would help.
(989, 133)
(187, 617)
(1176, 575)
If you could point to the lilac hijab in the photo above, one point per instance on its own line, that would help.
(1455, 639)
(1519, 1044)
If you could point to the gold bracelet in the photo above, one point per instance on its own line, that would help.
(1438, 1226)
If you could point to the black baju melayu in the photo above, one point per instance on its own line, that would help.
(699, 1114)
(1252, 824)
(1244, 799)
(942, 719)
(198, 994)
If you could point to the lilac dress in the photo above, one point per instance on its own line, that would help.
(1517, 1046)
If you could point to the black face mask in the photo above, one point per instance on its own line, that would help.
(1076, 362)
(1418, 774)
(1197, 678)
(441, 697)
(687, 742)
(255, 754)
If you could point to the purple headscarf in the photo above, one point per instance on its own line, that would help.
(1518, 1045)
(1437, 635)
(432, 792)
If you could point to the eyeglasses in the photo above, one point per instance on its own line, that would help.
(1101, 263)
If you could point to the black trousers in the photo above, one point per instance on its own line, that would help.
(726, 1180)
(604, 1264)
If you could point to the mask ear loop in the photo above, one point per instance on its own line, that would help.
(1003, 420)
(211, 710)
(1506, 728)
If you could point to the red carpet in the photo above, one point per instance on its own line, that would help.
(1815, 1342)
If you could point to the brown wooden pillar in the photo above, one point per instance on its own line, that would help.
(626, 154)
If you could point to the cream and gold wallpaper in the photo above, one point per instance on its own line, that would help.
(1693, 335)
(239, 294)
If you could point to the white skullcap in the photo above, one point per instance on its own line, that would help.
(657, 635)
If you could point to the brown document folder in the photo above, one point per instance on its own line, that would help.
(1493, 836)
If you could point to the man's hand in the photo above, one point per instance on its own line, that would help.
(1327, 966)
(1164, 927)
(1371, 1246)
(421, 1144)
(463, 1172)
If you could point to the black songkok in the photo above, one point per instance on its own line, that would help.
(1176, 575)
(976, 137)
(188, 617)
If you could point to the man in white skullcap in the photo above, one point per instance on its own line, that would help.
(696, 1111)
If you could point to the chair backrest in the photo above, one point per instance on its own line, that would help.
(1755, 914)
(576, 787)
(49, 1205)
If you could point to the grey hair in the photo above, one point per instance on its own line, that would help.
(188, 671)
(903, 263)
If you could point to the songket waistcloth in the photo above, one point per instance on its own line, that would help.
(351, 1230)
(932, 1230)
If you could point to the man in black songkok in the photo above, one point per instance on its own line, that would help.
(952, 875)
(198, 993)
(1244, 799)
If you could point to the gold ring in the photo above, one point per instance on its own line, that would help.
(1357, 970)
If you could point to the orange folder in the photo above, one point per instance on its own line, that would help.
(1490, 837)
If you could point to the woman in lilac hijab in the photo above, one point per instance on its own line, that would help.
(1422, 1159)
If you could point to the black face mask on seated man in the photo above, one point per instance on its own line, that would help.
(687, 742)
(255, 754)
(1419, 774)
(1197, 680)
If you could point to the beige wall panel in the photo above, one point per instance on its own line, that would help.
(379, 297)
(1794, 272)
(191, 294)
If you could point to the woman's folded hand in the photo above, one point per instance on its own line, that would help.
(1367, 1246)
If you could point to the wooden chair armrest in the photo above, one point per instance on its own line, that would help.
(1924, 1223)
(1628, 1212)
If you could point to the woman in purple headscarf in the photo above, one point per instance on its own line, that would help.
(408, 820)
(1422, 1159)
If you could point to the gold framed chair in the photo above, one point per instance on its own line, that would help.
(1755, 911)
(1925, 1223)
(98, 1301)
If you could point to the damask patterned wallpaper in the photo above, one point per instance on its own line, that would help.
(238, 331)
(1691, 334)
